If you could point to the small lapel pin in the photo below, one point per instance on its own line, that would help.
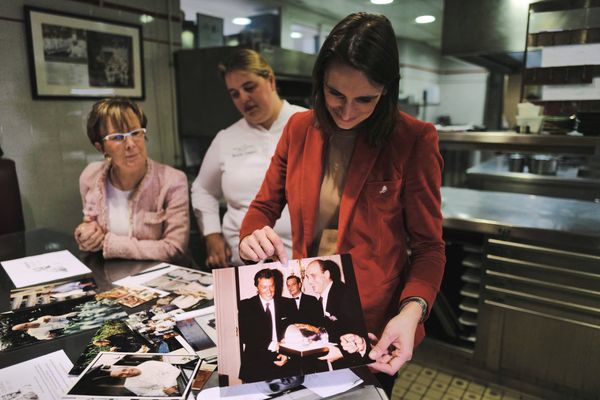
(383, 189)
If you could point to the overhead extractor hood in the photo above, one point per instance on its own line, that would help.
(488, 33)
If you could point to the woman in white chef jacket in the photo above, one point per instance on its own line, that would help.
(237, 159)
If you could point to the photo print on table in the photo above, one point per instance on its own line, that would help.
(296, 319)
(54, 292)
(28, 326)
(127, 296)
(135, 375)
(182, 287)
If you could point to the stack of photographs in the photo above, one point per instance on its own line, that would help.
(162, 329)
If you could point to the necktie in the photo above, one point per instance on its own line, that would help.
(268, 316)
(321, 303)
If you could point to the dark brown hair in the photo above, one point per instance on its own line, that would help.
(366, 42)
(113, 109)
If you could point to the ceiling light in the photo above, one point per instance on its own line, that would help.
(241, 21)
(425, 19)
(296, 35)
(145, 18)
(382, 1)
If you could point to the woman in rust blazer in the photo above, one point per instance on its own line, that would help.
(388, 216)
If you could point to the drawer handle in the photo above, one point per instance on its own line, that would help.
(543, 249)
(542, 266)
(540, 314)
(543, 299)
(543, 283)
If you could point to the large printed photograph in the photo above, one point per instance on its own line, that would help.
(295, 319)
(82, 57)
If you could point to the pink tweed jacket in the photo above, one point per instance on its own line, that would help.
(158, 213)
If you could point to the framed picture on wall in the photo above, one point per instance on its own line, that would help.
(75, 56)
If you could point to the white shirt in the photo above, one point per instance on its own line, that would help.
(154, 378)
(117, 203)
(325, 297)
(234, 167)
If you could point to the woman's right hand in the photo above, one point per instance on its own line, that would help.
(89, 235)
(262, 244)
(217, 250)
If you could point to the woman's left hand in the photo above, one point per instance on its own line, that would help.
(395, 347)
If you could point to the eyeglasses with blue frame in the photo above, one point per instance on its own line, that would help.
(136, 134)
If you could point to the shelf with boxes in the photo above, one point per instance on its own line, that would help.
(562, 66)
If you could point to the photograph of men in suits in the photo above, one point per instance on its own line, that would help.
(324, 278)
(263, 319)
(309, 309)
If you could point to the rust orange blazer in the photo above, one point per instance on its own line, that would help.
(390, 219)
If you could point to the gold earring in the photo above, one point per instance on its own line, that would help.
(107, 157)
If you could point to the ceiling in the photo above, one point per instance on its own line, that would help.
(402, 13)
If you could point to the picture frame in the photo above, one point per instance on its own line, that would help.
(80, 57)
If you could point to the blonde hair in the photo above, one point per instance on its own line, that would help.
(246, 60)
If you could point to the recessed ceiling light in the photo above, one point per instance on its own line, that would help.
(425, 19)
(296, 35)
(145, 18)
(241, 21)
(382, 1)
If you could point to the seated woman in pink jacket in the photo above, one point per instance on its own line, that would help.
(133, 207)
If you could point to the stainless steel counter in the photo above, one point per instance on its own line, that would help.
(524, 215)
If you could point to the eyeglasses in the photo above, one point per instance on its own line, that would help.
(136, 134)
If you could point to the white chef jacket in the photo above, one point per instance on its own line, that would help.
(234, 167)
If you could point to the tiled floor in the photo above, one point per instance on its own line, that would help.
(417, 382)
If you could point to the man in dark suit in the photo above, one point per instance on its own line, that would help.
(340, 318)
(309, 309)
(263, 320)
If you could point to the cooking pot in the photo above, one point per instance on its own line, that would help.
(543, 164)
(516, 162)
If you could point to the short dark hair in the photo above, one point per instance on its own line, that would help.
(332, 267)
(296, 277)
(265, 273)
(113, 109)
(366, 42)
(246, 60)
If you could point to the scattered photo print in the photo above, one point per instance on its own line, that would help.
(24, 327)
(158, 327)
(127, 375)
(49, 293)
(113, 336)
(129, 297)
(200, 332)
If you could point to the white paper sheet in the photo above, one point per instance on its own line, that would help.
(45, 376)
(323, 384)
(327, 384)
(33, 270)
